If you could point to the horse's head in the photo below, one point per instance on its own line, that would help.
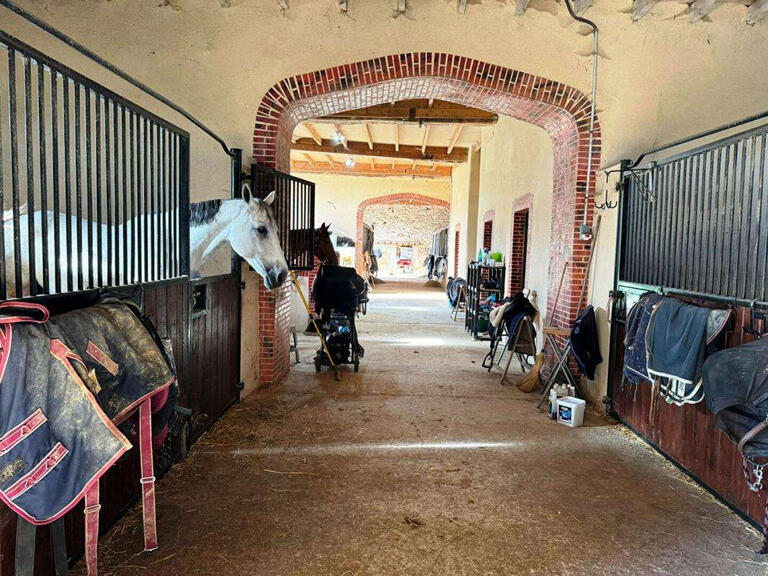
(254, 237)
(324, 249)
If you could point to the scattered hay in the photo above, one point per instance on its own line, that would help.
(414, 522)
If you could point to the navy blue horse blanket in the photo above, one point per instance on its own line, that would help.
(67, 383)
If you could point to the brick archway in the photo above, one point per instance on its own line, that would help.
(562, 111)
(408, 199)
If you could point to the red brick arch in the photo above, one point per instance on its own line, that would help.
(409, 199)
(562, 111)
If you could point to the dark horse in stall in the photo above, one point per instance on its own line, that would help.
(323, 246)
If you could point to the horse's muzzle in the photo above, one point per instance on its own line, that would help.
(275, 277)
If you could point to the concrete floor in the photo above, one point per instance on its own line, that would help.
(423, 464)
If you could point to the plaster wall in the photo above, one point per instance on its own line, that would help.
(337, 197)
(516, 161)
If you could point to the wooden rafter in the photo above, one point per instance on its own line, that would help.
(757, 11)
(641, 8)
(340, 134)
(372, 162)
(520, 7)
(380, 170)
(701, 8)
(397, 138)
(330, 161)
(415, 111)
(313, 132)
(309, 160)
(425, 139)
(454, 137)
(381, 150)
(367, 130)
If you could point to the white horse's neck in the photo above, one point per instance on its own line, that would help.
(205, 238)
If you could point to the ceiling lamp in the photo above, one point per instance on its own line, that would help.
(350, 162)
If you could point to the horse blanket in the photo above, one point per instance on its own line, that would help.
(735, 385)
(677, 343)
(67, 384)
(635, 362)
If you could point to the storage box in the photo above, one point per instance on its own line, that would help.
(570, 411)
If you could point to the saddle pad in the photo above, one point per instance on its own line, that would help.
(635, 363)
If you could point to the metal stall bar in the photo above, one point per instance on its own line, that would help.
(78, 152)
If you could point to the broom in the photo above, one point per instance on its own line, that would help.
(530, 379)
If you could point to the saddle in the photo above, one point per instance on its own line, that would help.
(69, 385)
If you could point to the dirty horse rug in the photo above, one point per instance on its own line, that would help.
(68, 387)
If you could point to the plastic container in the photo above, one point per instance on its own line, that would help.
(570, 411)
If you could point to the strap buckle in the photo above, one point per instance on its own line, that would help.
(147, 480)
(757, 484)
(92, 508)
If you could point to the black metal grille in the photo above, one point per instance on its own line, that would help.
(294, 208)
(95, 189)
(699, 221)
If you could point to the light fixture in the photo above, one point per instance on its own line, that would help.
(337, 137)
(350, 162)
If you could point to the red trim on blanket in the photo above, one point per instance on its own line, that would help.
(102, 358)
(40, 471)
(16, 434)
(12, 305)
(125, 412)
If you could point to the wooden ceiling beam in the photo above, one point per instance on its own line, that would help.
(380, 150)
(757, 11)
(313, 132)
(425, 139)
(367, 130)
(700, 9)
(414, 111)
(397, 138)
(454, 137)
(361, 169)
(309, 160)
(340, 135)
(330, 161)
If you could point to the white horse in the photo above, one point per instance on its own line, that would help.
(247, 224)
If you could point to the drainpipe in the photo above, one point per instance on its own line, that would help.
(585, 230)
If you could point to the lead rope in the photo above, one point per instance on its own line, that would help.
(754, 480)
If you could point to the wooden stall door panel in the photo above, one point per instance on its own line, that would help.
(214, 378)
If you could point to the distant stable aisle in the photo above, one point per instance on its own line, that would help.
(422, 464)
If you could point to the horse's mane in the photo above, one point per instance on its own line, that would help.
(203, 212)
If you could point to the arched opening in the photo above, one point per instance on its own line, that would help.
(390, 199)
(560, 110)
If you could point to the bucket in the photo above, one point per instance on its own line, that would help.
(570, 411)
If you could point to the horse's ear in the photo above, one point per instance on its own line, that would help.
(269, 199)
(246, 192)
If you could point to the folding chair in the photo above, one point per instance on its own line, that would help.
(561, 360)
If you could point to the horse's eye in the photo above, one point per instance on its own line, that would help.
(261, 230)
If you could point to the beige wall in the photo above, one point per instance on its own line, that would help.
(660, 78)
(465, 183)
(516, 160)
(337, 197)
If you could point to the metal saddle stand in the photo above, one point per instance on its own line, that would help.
(511, 346)
(561, 361)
